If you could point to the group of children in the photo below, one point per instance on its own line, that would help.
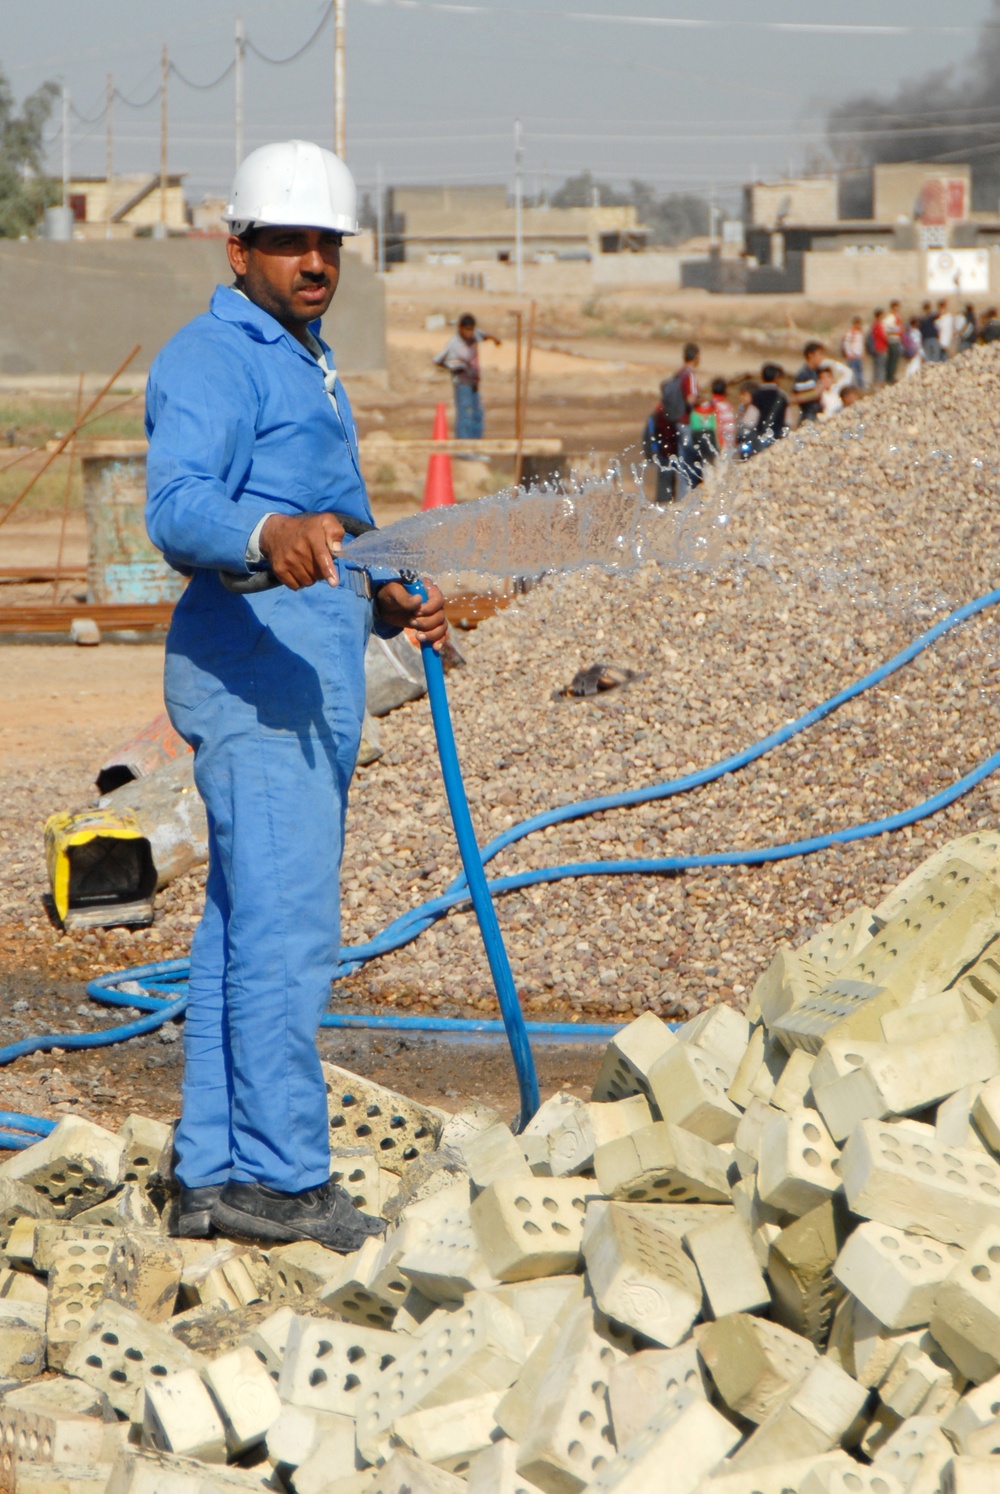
(690, 428)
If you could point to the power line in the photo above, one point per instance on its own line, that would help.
(203, 87)
(292, 56)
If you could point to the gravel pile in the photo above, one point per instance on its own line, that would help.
(843, 545)
(847, 542)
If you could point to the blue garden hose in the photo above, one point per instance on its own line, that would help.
(157, 989)
(468, 846)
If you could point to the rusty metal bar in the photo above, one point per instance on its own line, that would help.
(64, 441)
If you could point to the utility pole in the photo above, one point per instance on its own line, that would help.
(518, 235)
(241, 52)
(65, 146)
(379, 221)
(339, 79)
(163, 142)
(109, 149)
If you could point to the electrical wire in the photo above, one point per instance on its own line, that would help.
(251, 45)
(202, 87)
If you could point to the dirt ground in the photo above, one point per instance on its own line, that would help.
(595, 371)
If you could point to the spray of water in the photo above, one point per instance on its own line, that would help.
(606, 523)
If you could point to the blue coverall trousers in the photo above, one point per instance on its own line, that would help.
(269, 690)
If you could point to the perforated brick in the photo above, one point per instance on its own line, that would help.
(302, 1270)
(406, 1474)
(494, 1154)
(179, 1416)
(662, 1163)
(689, 1438)
(76, 1284)
(233, 1275)
(731, 1279)
(790, 979)
(759, 1069)
(245, 1397)
(77, 1164)
(19, 1201)
(48, 1233)
(942, 928)
(798, 1162)
(822, 1411)
(147, 1149)
(916, 1454)
(629, 1057)
(896, 1275)
(753, 1363)
(22, 1340)
(719, 1031)
(46, 1423)
(981, 850)
(904, 1079)
(517, 1408)
(118, 1351)
(689, 1090)
(934, 1015)
(474, 1348)
(804, 1290)
(844, 1008)
(144, 1274)
(640, 1386)
(920, 1382)
(494, 1471)
(63, 1478)
(359, 1174)
(948, 1192)
(444, 1261)
(269, 1340)
(966, 1316)
(449, 1436)
(298, 1434)
(331, 1366)
(794, 1082)
(640, 1275)
(537, 1303)
(837, 943)
(849, 1478)
(528, 1227)
(572, 1144)
(145, 1471)
(366, 1114)
(569, 1437)
(130, 1208)
(972, 1475)
(978, 1412)
(369, 1291)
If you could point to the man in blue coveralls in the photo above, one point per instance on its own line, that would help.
(252, 452)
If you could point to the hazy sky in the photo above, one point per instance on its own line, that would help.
(620, 87)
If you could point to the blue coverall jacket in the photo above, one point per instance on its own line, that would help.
(269, 691)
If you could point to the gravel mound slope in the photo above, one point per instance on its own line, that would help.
(836, 550)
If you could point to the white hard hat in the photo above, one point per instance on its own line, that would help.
(293, 184)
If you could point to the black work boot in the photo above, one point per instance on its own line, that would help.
(324, 1214)
(194, 1213)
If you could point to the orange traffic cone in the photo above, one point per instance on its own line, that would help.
(439, 491)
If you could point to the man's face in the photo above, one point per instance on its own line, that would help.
(815, 358)
(290, 272)
(467, 331)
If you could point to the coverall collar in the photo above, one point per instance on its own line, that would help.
(231, 305)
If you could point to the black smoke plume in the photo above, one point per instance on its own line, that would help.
(948, 116)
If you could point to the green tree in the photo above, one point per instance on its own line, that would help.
(25, 189)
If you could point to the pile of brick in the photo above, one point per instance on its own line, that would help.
(763, 1259)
